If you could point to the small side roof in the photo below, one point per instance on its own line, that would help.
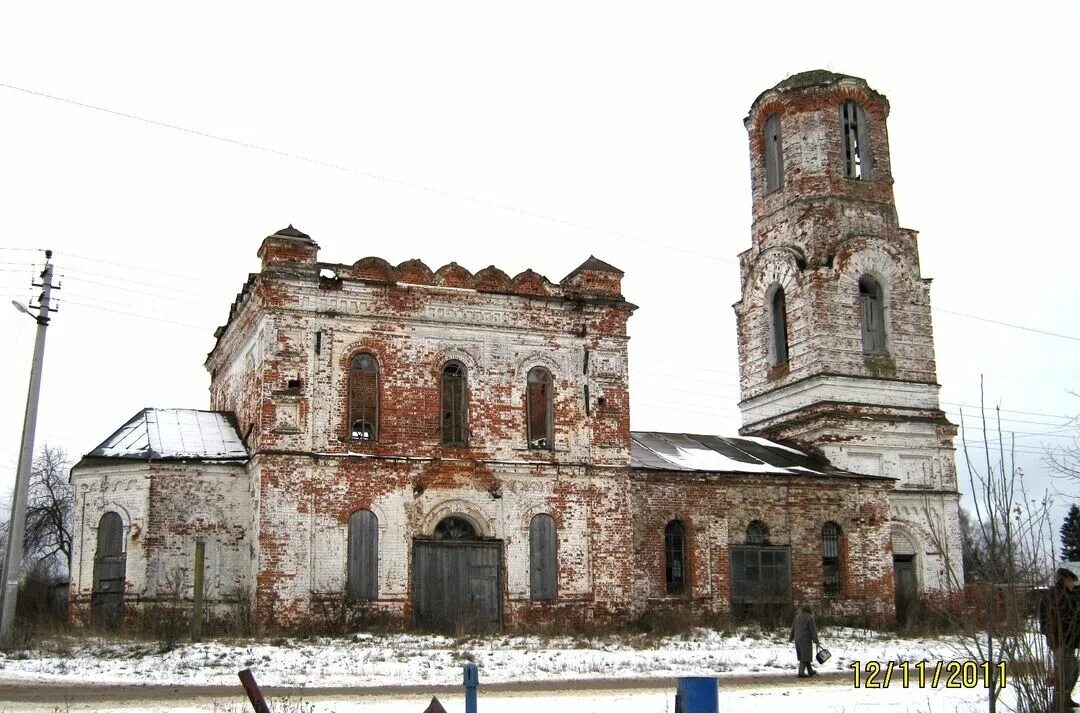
(725, 454)
(175, 434)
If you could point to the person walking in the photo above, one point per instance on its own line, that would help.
(804, 634)
(1058, 621)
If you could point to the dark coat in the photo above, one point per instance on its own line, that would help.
(1059, 617)
(804, 634)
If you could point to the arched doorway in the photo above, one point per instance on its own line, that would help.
(905, 577)
(110, 571)
(457, 579)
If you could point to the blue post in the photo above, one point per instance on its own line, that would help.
(699, 695)
(472, 680)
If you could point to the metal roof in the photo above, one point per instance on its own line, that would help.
(718, 454)
(180, 434)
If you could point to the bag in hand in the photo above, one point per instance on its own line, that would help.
(823, 654)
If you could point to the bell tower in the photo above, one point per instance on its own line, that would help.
(836, 345)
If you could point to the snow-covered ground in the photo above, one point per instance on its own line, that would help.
(367, 660)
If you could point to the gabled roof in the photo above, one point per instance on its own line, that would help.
(292, 232)
(175, 434)
(719, 454)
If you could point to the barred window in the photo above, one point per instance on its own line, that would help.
(454, 404)
(364, 398)
(538, 397)
(675, 557)
(830, 558)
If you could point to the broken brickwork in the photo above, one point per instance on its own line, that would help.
(817, 236)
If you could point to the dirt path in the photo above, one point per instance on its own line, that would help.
(18, 692)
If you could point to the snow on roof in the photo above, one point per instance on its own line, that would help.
(161, 434)
(716, 454)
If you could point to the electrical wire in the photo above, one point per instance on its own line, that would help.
(368, 174)
(131, 314)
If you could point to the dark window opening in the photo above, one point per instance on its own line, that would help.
(543, 558)
(364, 398)
(454, 404)
(757, 533)
(363, 556)
(872, 303)
(857, 160)
(538, 403)
(830, 559)
(778, 324)
(455, 528)
(675, 557)
(760, 582)
(774, 154)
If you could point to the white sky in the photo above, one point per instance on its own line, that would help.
(521, 136)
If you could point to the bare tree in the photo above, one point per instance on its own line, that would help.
(1011, 556)
(1065, 460)
(49, 512)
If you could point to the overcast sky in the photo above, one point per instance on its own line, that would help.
(520, 136)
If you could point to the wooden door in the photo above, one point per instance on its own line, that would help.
(110, 572)
(457, 585)
(906, 585)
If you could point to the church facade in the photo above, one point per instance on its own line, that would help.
(447, 450)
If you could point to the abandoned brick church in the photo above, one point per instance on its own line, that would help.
(446, 449)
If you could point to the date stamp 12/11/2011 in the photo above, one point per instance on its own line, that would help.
(927, 674)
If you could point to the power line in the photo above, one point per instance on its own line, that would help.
(158, 295)
(1008, 324)
(1006, 410)
(129, 281)
(132, 267)
(368, 174)
(132, 314)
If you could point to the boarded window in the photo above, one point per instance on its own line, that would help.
(675, 557)
(760, 580)
(538, 398)
(778, 326)
(364, 398)
(363, 564)
(543, 558)
(110, 571)
(872, 303)
(857, 160)
(757, 533)
(454, 404)
(830, 559)
(774, 154)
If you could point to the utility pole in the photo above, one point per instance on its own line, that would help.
(13, 553)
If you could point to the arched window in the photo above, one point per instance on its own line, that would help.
(757, 533)
(857, 159)
(778, 338)
(538, 398)
(454, 404)
(364, 398)
(543, 558)
(774, 154)
(363, 555)
(872, 304)
(455, 528)
(830, 559)
(675, 557)
(110, 571)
